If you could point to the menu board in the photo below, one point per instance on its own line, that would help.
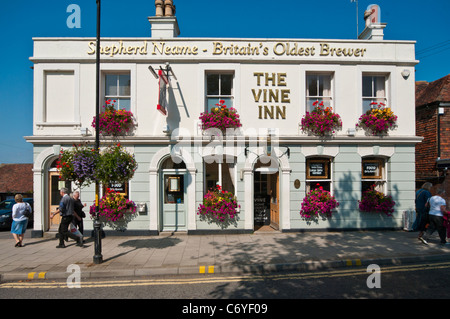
(121, 188)
(261, 207)
(317, 169)
(371, 169)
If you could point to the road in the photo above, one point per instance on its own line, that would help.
(430, 280)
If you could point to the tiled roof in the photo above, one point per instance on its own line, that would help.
(436, 91)
(16, 178)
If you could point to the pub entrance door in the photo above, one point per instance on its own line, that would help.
(54, 185)
(266, 198)
(173, 193)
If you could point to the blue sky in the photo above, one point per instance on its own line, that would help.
(426, 22)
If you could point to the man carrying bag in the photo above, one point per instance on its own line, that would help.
(65, 209)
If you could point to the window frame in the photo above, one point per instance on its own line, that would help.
(318, 97)
(379, 180)
(328, 178)
(220, 96)
(373, 97)
(118, 96)
(213, 160)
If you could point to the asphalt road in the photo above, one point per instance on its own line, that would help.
(430, 280)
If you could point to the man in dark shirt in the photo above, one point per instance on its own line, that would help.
(65, 209)
(78, 211)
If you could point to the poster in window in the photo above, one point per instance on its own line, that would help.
(317, 169)
(371, 169)
(174, 184)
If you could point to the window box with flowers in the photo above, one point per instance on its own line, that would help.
(115, 210)
(114, 122)
(78, 165)
(321, 121)
(378, 120)
(220, 117)
(373, 201)
(318, 203)
(219, 207)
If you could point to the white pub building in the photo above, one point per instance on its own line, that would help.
(270, 164)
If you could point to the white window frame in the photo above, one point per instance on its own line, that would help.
(374, 97)
(125, 68)
(220, 95)
(329, 98)
(219, 162)
(383, 187)
(116, 96)
(319, 180)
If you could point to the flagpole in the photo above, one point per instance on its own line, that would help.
(357, 22)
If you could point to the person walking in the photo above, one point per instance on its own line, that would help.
(78, 212)
(20, 221)
(422, 197)
(66, 211)
(438, 208)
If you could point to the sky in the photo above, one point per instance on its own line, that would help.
(426, 22)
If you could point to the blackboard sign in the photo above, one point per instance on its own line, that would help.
(261, 207)
(317, 169)
(121, 188)
(371, 169)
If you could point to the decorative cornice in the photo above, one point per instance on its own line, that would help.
(288, 139)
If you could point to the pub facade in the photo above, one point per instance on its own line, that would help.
(269, 163)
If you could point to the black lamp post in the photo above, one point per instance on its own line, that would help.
(98, 258)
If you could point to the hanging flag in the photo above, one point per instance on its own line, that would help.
(162, 100)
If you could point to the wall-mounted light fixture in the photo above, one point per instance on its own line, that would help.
(406, 73)
(84, 131)
(351, 131)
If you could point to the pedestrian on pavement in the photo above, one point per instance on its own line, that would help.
(20, 221)
(438, 208)
(66, 211)
(78, 212)
(422, 197)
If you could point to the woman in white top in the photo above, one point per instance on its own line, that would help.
(438, 208)
(20, 221)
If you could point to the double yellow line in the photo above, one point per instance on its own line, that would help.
(222, 279)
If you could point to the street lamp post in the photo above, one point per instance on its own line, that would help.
(98, 258)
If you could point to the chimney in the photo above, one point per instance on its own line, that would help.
(164, 23)
(374, 28)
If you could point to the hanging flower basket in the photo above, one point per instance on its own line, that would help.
(114, 122)
(321, 121)
(220, 117)
(78, 164)
(115, 210)
(373, 201)
(115, 165)
(378, 120)
(219, 206)
(318, 202)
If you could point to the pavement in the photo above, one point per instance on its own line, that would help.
(181, 254)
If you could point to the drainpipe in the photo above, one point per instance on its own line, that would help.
(438, 133)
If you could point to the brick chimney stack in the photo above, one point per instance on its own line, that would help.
(164, 23)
